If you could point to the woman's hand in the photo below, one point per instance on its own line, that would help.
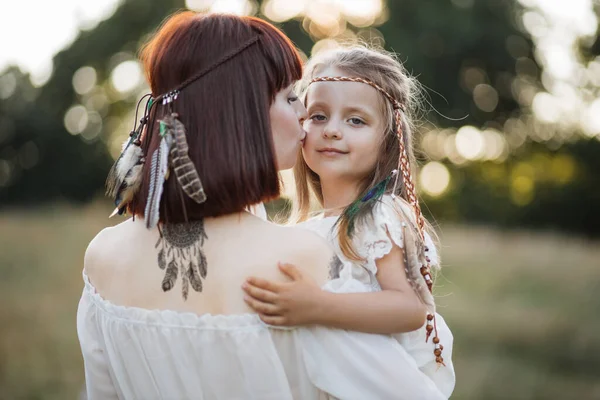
(284, 304)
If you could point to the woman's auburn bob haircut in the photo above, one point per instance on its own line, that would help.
(226, 112)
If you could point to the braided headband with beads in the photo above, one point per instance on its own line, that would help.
(407, 180)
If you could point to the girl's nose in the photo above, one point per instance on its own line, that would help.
(332, 131)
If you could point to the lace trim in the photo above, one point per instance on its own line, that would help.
(377, 240)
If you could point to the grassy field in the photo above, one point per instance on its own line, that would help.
(523, 307)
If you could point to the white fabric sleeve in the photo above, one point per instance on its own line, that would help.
(98, 381)
(394, 224)
(353, 365)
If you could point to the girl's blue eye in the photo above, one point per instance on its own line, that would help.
(356, 121)
(317, 117)
(292, 99)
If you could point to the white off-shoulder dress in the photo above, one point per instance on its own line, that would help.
(373, 240)
(135, 353)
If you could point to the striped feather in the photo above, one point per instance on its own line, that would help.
(183, 167)
(158, 170)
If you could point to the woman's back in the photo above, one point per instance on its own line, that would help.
(235, 246)
(139, 342)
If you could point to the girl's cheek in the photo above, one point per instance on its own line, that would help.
(310, 131)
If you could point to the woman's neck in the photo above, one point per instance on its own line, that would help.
(338, 194)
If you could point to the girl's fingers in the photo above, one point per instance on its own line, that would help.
(275, 320)
(290, 270)
(259, 294)
(264, 284)
(260, 307)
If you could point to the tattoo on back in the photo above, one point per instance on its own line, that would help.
(180, 253)
(335, 266)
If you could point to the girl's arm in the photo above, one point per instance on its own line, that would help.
(396, 308)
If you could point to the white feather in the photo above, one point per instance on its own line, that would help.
(158, 170)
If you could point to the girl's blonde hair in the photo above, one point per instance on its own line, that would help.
(383, 69)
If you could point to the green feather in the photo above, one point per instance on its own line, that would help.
(163, 128)
(364, 204)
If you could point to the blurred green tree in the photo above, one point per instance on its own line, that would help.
(39, 160)
(474, 58)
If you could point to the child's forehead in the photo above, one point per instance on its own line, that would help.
(343, 93)
(329, 70)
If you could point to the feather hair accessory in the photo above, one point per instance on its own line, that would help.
(125, 176)
(182, 165)
(133, 165)
(159, 166)
(172, 154)
(362, 207)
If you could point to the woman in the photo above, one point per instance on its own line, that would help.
(144, 334)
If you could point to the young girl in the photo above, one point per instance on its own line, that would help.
(358, 163)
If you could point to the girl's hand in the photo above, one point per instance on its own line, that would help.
(284, 304)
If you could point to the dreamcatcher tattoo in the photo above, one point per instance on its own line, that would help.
(180, 253)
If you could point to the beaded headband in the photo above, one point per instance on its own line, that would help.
(124, 178)
(408, 182)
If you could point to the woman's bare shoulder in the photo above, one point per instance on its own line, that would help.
(306, 249)
(291, 237)
(109, 245)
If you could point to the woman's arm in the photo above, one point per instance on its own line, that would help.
(98, 380)
(395, 309)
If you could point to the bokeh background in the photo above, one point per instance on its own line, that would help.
(510, 165)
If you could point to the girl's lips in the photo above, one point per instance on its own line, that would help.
(330, 151)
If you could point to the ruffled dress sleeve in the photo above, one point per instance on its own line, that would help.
(394, 223)
(99, 383)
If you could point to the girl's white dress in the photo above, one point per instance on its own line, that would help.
(372, 241)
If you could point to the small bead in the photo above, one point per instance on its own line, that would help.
(429, 328)
(437, 352)
(441, 347)
(436, 340)
(427, 258)
(427, 278)
(429, 317)
(424, 270)
(426, 248)
(439, 360)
